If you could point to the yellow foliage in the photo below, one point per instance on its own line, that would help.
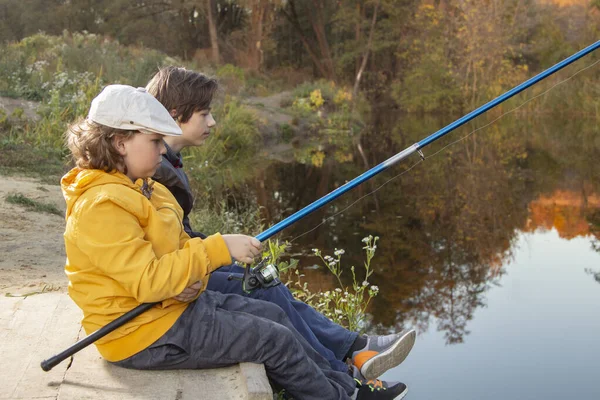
(342, 157)
(342, 96)
(316, 98)
(317, 159)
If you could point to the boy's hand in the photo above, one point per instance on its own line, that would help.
(189, 293)
(243, 248)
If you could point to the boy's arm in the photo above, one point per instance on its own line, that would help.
(114, 242)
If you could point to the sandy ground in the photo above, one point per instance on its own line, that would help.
(29, 108)
(32, 254)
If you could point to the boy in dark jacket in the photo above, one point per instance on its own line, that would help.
(188, 96)
(125, 247)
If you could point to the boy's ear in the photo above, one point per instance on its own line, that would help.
(118, 143)
(173, 112)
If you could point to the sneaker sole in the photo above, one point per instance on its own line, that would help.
(401, 395)
(395, 355)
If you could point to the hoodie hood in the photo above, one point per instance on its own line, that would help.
(77, 181)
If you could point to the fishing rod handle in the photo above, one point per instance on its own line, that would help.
(53, 361)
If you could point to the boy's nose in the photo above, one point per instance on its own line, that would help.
(211, 121)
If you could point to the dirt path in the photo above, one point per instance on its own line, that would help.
(29, 108)
(32, 254)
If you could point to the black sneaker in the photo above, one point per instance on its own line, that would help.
(380, 390)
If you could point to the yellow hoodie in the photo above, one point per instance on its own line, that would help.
(123, 250)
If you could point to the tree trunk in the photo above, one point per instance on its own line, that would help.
(212, 30)
(366, 54)
(292, 17)
(319, 29)
(358, 33)
(255, 53)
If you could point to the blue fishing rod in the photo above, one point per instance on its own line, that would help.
(263, 274)
(419, 145)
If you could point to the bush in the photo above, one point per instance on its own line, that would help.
(236, 132)
(243, 219)
(232, 78)
(40, 64)
(65, 73)
(345, 305)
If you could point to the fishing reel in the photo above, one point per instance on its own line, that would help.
(263, 275)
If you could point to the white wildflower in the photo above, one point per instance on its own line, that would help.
(365, 283)
(339, 252)
(338, 290)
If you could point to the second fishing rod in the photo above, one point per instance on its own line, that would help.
(264, 274)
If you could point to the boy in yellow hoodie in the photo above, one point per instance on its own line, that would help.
(126, 245)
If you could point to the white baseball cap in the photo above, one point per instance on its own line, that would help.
(125, 107)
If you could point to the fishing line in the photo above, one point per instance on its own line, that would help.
(444, 148)
(514, 109)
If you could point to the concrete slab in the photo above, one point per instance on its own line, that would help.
(90, 377)
(37, 327)
(31, 329)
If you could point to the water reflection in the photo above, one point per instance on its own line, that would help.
(537, 337)
(490, 247)
(570, 213)
(447, 227)
(595, 274)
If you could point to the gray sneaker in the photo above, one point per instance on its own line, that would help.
(383, 353)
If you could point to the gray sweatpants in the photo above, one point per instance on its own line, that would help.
(220, 329)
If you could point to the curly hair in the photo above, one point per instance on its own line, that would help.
(91, 145)
(182, 90)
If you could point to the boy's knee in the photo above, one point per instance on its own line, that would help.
(274, 310)
(284, 337)
(272, 295)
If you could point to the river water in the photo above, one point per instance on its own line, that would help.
(489, 248)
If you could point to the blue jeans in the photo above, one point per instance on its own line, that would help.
(329, 339)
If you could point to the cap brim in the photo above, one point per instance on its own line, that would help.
(131, 127)
(151, 131)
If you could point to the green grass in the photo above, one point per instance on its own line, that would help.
(27, 160)
(34, 205)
